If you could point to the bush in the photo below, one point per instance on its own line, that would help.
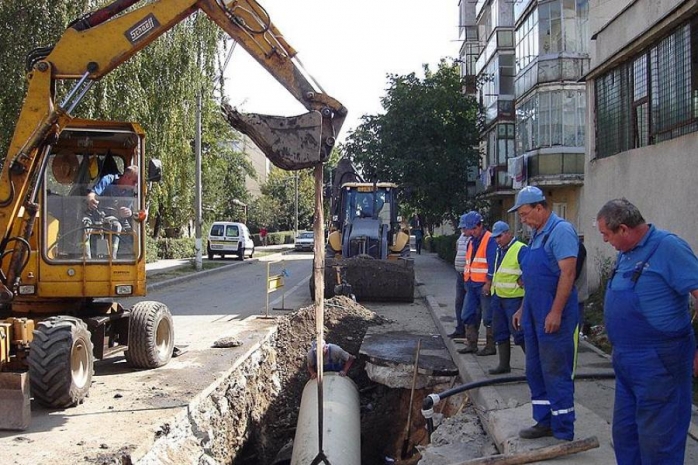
(444, 246)
(278, 238)
(168, 248)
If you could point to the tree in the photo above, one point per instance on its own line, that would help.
(280, 187)
(426, 141)
(157, 88)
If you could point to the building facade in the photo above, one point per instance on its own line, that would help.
(531, 55)
(643, 116)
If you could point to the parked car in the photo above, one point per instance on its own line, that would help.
(304, 241)
(228, 238)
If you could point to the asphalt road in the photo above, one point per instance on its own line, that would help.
(126, 405)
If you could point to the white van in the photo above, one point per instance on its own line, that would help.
(228, 238)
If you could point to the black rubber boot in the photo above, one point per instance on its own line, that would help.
(504, 350)
(489, 348)
(470, 340)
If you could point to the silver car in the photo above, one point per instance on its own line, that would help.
(304, 241)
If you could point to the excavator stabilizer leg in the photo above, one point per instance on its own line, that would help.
(372, 279)
(291, 143)
(15, 402)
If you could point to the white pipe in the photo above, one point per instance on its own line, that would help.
(341, 438)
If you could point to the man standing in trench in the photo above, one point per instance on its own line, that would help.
(648, 323)
(549, 316)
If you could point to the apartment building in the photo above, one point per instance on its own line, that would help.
(643, 115)
(531, 55)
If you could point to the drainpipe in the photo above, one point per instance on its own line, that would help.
(341, 437)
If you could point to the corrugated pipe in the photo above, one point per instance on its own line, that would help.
(432, 400)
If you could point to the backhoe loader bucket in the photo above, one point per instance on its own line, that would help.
(371, 279)
(291, 143)
(15, 409)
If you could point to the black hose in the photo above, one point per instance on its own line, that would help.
(433, 399)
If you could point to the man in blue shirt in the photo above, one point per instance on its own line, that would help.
(477, 274)
(646, 311)
(120, 189)
(549, 316)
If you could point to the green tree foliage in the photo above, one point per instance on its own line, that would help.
(157, 88)
(279, 191)
(426, 141)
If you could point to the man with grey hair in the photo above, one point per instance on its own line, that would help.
(549, 316)
(648, 322)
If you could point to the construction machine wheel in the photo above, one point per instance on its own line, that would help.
(150, 335)
(61, 362)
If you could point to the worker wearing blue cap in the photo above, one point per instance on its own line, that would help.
(459, 264)
(507, 294)
(477, 274)
(549, 317)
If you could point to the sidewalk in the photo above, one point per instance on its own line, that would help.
(506, 408)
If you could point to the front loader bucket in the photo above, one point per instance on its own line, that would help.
(291, 143)
(372, 279)
(15, 403)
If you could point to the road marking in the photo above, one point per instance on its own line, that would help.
(291, 291)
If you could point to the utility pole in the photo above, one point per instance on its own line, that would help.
(199, 216)
(295, 230)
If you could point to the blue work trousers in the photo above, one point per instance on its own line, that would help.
(503, 310)
(476, 307)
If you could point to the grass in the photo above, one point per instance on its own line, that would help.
(205, 264)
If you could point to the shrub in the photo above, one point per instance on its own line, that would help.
(444, 246)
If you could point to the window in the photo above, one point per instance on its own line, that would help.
(652, 97)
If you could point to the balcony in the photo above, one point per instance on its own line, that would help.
(556, 169)
(494, 183)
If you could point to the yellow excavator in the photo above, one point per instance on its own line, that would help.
(367, 255)
(62, 263)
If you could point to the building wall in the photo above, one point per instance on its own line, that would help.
(260, 163)
(658, 178)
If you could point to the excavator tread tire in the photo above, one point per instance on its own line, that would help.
(150, 335)
(61, 362)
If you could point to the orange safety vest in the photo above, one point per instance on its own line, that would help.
(476, 270)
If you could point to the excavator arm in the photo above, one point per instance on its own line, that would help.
(96, 44)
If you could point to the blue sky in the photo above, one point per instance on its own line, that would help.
(348, 47)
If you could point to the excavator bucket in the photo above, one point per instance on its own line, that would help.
(371, 279)
(291, 143)
(15, 403)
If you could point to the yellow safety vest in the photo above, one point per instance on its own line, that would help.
(476, 271)
(505, 280)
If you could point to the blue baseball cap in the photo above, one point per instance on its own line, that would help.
(499, 228)
(470, 220)
(461, 222)
(527, 195)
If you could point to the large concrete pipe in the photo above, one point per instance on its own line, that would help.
(341, 437)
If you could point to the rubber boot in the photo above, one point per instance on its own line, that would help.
(470, 340)
(489, 348)
(504, 350)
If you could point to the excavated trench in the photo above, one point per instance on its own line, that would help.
(250, 417)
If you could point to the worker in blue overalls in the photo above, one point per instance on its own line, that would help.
(334, 358)
(549, 316)
(647, 317)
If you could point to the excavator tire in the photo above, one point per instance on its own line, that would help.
(372, 279)
(150, 335)
(61, 362)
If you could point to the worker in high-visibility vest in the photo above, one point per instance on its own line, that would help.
(507, 294)
(477, 274)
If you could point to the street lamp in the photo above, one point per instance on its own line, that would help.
(244, 209)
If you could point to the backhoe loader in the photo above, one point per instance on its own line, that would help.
(62, 263)
(367, 254)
